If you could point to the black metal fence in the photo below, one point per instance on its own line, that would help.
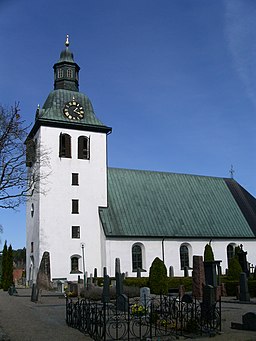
(158, 318)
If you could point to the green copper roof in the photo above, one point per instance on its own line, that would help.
(53, 108)
(158, 204)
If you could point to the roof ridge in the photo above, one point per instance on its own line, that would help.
(166, 172)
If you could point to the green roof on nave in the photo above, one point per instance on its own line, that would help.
(160, 204)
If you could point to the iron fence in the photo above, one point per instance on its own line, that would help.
(158, 318)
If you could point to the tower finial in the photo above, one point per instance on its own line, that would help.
(67, 41)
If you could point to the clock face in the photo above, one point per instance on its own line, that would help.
(73, 110)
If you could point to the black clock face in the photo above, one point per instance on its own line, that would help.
(73, 110)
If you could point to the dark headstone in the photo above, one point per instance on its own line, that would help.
(243, 260)
(105, 271)
(244, 295)
(171, 271)
(105, 294)
(119, 284)
(138, 273)
(198, 278)
(209, 301)
(249, 321)
(44, 274)
(122, 302)
(34, 293)
(185, 271)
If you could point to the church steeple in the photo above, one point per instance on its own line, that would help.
(66, 70)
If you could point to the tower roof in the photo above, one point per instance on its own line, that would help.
(66, 91)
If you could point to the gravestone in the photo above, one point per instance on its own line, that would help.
(95, 275)
(122, 303)
(210, 269)
(185, 271)
(73, 287)
(117, 266)
(249, 321)
(145, 297)
(244, 295)
(44, 274)
(198, 278)
(243, 260)
(34, 293)
(105, 294)
(171, 271)
(209, 302)
(138, 273)
(104, 271)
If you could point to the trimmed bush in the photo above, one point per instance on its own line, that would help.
(234, 269)
(208, 253)
(158, 277)
(136, 282)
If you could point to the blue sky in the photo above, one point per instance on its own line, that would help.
(175, 79)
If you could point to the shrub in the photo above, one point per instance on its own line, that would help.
(208, 253)
(158, 277)
(136, 282)
(234, 269)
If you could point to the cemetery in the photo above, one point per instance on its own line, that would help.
(159, 307)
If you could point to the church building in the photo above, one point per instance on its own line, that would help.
(86, 214)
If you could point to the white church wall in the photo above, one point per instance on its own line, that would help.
(120, 248)
(55, 220)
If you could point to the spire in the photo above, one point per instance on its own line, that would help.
(66, 70)
(67, 41)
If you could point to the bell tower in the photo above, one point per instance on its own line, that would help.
(64, 214)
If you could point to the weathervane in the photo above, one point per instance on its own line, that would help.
(67, 41)
(231, 172)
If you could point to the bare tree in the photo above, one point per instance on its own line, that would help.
(16, 182)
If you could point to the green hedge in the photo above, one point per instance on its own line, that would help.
(231, 286)
(173, 282)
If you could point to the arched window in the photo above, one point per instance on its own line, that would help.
(230, 252)
(83, 147)
(59, 73)
(137, 257)
(65, 145)
(69, 73)
(184, 256)
(75, 264)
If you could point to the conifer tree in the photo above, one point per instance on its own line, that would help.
(208, 253)
(4, 266)
(7, 267)
(158, 277)
(10, 266)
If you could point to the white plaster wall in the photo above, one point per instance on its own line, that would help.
(120, 248)
(55, 217)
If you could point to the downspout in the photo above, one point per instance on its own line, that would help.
(163, 248)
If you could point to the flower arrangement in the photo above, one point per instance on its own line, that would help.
(138, 310)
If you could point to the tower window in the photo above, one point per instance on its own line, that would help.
(76, 232)
(75, 206)
(75, 264)
(75, 179)
(59, 73)
(69, 73)
(83, 148)
(136, 257)
(65, 145)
